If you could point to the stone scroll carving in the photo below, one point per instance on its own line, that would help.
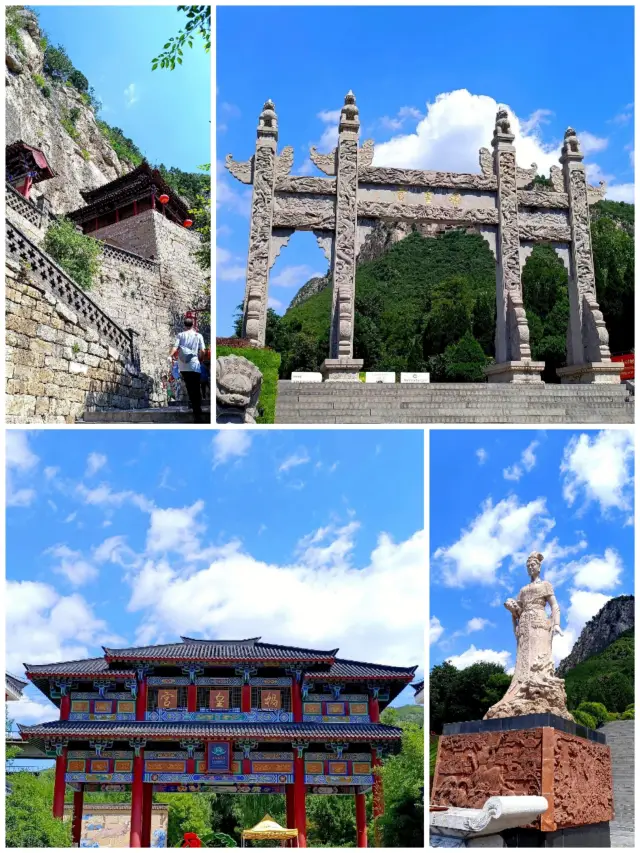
(327, 163)
(345, 206)
(325, 241)
(534, 688)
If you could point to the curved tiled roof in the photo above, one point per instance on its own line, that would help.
(227, 650)
(353, 669)
(89, 666)
(211, 731)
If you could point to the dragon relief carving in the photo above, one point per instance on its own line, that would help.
(557, 179)
(242, 171)
(284, 162)
(486, 162)
(327, 163)
(365, 154)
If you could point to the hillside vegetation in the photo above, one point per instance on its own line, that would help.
(429, 304)
(607, 677)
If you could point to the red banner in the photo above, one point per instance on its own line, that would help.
(629, 365)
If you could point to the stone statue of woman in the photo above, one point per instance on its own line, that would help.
(534, 688)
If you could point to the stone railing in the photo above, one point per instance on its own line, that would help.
(50, 276)
(127, 257)
(31, 212)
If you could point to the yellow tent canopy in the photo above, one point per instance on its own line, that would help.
(267, 830)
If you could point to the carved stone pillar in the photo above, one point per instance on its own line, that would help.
(588, 356)
(341, 365)
(258, 263)
(513, 353)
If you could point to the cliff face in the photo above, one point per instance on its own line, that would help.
(80, 164)
(617, 616)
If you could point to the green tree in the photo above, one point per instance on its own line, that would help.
(457, 695)
(198, 23)
(613, 255)
(464, 361)
(402, 824)
(77, 254)
(28, 818)
(187, 813)
(56, 63)
(450, 315)
(331, 821)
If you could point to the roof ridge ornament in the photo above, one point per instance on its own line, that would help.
(502, 130)
(349, 115)
(268, 121)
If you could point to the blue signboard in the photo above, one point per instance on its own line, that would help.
(219, 757)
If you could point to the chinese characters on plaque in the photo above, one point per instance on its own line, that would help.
(219, 700)
(270, 700)
(167, 699)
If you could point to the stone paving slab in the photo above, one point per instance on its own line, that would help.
(159, 415)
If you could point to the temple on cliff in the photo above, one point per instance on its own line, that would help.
(130, 195)
(226, 716)
(26, 166)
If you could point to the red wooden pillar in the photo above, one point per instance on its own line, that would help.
(26, 187)
(192, 697)
(191, 766)
(141, 699)
(76, 822)
(59, 784)
(378, 794)
(147, 809)
(291, 815)
(296, 700)
(65, 706)
(361, 821)
(245, 699)
(374, 709)
(299, 799)
(135, 838)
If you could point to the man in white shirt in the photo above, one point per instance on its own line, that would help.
(189, 346)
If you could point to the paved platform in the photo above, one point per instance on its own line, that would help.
(159, 415)
(441, 403)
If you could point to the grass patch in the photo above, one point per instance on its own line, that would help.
(125, 148)
(85, 154)
(268, 363)
(12, 27)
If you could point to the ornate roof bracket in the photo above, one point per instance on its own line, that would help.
(246, 673)
(365, 154)
(190, 746)
(246, 746)
(327, 163)
(338, 748)
(102, 685)
(241, 170)
(132, 685)
(192, 672)
(54, 746)
(284, 162)
(295, 671)
(60, 687)
(100, 745)
(137, 744)
(299, 746)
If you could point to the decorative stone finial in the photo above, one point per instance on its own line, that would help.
(349, 115)
(502, 130)
(268, 121)
(571, 147)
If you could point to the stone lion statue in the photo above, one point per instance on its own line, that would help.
(238, 384)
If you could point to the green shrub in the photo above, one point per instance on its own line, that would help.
(628, 715)
(77, 254)
(584, 719)
(28, 819)
(85, 154)
(268, 362)
(596, 709)
(124, 147)
(12, 27)
(44, 41)
(630, 707)
(607, 677)
(79, 81)
(612, 717)
(464, 361)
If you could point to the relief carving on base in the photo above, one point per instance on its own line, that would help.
(472, 768)
(583, 784)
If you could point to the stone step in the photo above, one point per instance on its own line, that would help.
(158, 415)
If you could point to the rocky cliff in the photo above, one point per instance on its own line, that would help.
(38, 118)
(606, 626)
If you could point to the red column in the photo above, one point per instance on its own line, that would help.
(26, 187)
(245, 699)
(296, 700)
(76, 824)
(191, 765)
(65, 706)
(147, 809)
(300, 806)
(291, 815)
(192, 697)
(378, 795)
(141, 699)
(374, 709)
(58, 788)
(246, 766)
(361, 821)
(135, 838)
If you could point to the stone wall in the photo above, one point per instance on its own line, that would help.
(621, 739)
(57, 366)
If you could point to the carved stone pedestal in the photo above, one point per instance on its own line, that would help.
(535, 755)
(601, 372)
(515, 371)
(342, 369)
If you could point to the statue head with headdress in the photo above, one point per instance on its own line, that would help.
(534, 562)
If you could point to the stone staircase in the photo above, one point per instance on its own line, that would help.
(158, 415)
(620, 737)
(440, 403)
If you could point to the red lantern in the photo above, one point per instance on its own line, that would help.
(188, 223)
(164, 198)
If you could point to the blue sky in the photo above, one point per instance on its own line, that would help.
(498, 495)
(552, 66)
(166, 113)
(121, 537)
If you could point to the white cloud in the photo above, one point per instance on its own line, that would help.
(482, 455)
(436, 630)
(104, 496)
(44, 626)
(294, 276)
(230, 444)
(229, 267)
(526, 464)
(621, 192)
(50, 472)
(114, 550)
(592, 572)
(591, 143)
(477, 624)
(72, 565)
(473, 655)
(230, 195)
(95, 461)
(21, 462)
(307, 167)
(498, 532)
(599, 468)
(396, 122)
(130, 95)
(275, 303)
(375, 608)
(294, 460)
(71, 517)
(30, 711)
(583, 606)
(174, 529)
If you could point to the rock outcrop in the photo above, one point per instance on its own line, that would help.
(313, 286)
(86, 162)
(616, 617)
